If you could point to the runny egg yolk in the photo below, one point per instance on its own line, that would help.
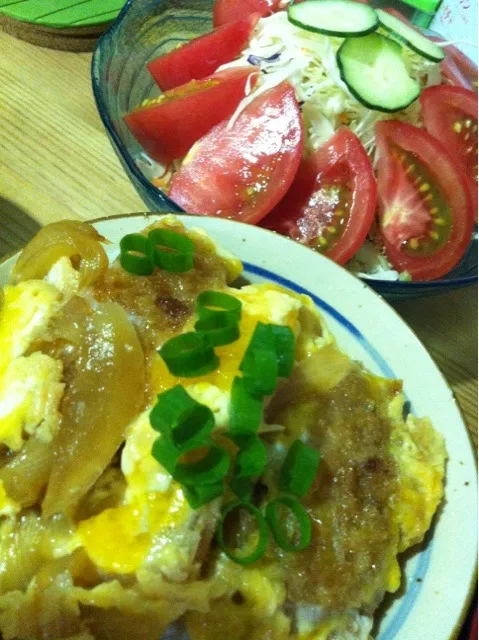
(260, 304)
(118, 540)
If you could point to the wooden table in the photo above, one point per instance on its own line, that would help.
(56, 162)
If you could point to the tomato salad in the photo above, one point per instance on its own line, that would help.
(330, 122)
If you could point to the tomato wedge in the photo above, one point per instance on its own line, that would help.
(168, 126)
(457, 69)
(331, 203)
(226, 11)
(450, 115)
(242, 171)
(201, 57)
(425, 207)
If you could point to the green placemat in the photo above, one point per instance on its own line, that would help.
(62, 13)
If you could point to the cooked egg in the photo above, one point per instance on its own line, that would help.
(420, 453)
(378, 485)
(154, 503)
(261, 303)
(30, 394)
(25, 313)
(30, 386)
(155, 526)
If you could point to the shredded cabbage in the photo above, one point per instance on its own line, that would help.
(308, 61)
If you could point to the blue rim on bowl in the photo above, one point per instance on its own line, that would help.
(464, 274)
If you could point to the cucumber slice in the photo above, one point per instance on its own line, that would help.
(342, 18)
(411, 38)
(375, 73)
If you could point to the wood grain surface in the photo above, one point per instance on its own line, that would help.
(56, 162)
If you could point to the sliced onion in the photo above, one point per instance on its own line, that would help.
(69, 238)
(105, 392)
(25, 475)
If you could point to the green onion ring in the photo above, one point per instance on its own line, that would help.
(131, 245)
(220, 330)
(198, 496)
(279, 339)
(284, 343)
(212, 468)
(302, 518)
(260, 371)
(299, 469)
(251, 457)
(246, 411)
(262, 531)
(180, 250)
(216, 303)
(177, 416)
(165, 453)
(242, 487)
(189, 355)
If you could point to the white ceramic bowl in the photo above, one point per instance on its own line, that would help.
(440, 575)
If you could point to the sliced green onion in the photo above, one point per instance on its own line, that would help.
(242, 487)
(284, 343)
(189, 355)
(165, 452)
(216, 303)
(276, 523)
(277, 338)
(260, 371)
(170, 407)
(246, 411)
(187, 422)
(210, 469)
(262, 532)
(199, 496)
(170, 251)
(251, 458)
(130, 246)
(299, 469)
(262, 338)
(219, 329)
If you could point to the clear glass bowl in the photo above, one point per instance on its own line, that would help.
(146, 29)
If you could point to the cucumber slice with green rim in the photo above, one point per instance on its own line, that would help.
(342, 18)
(375, 73)
(411, 38)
